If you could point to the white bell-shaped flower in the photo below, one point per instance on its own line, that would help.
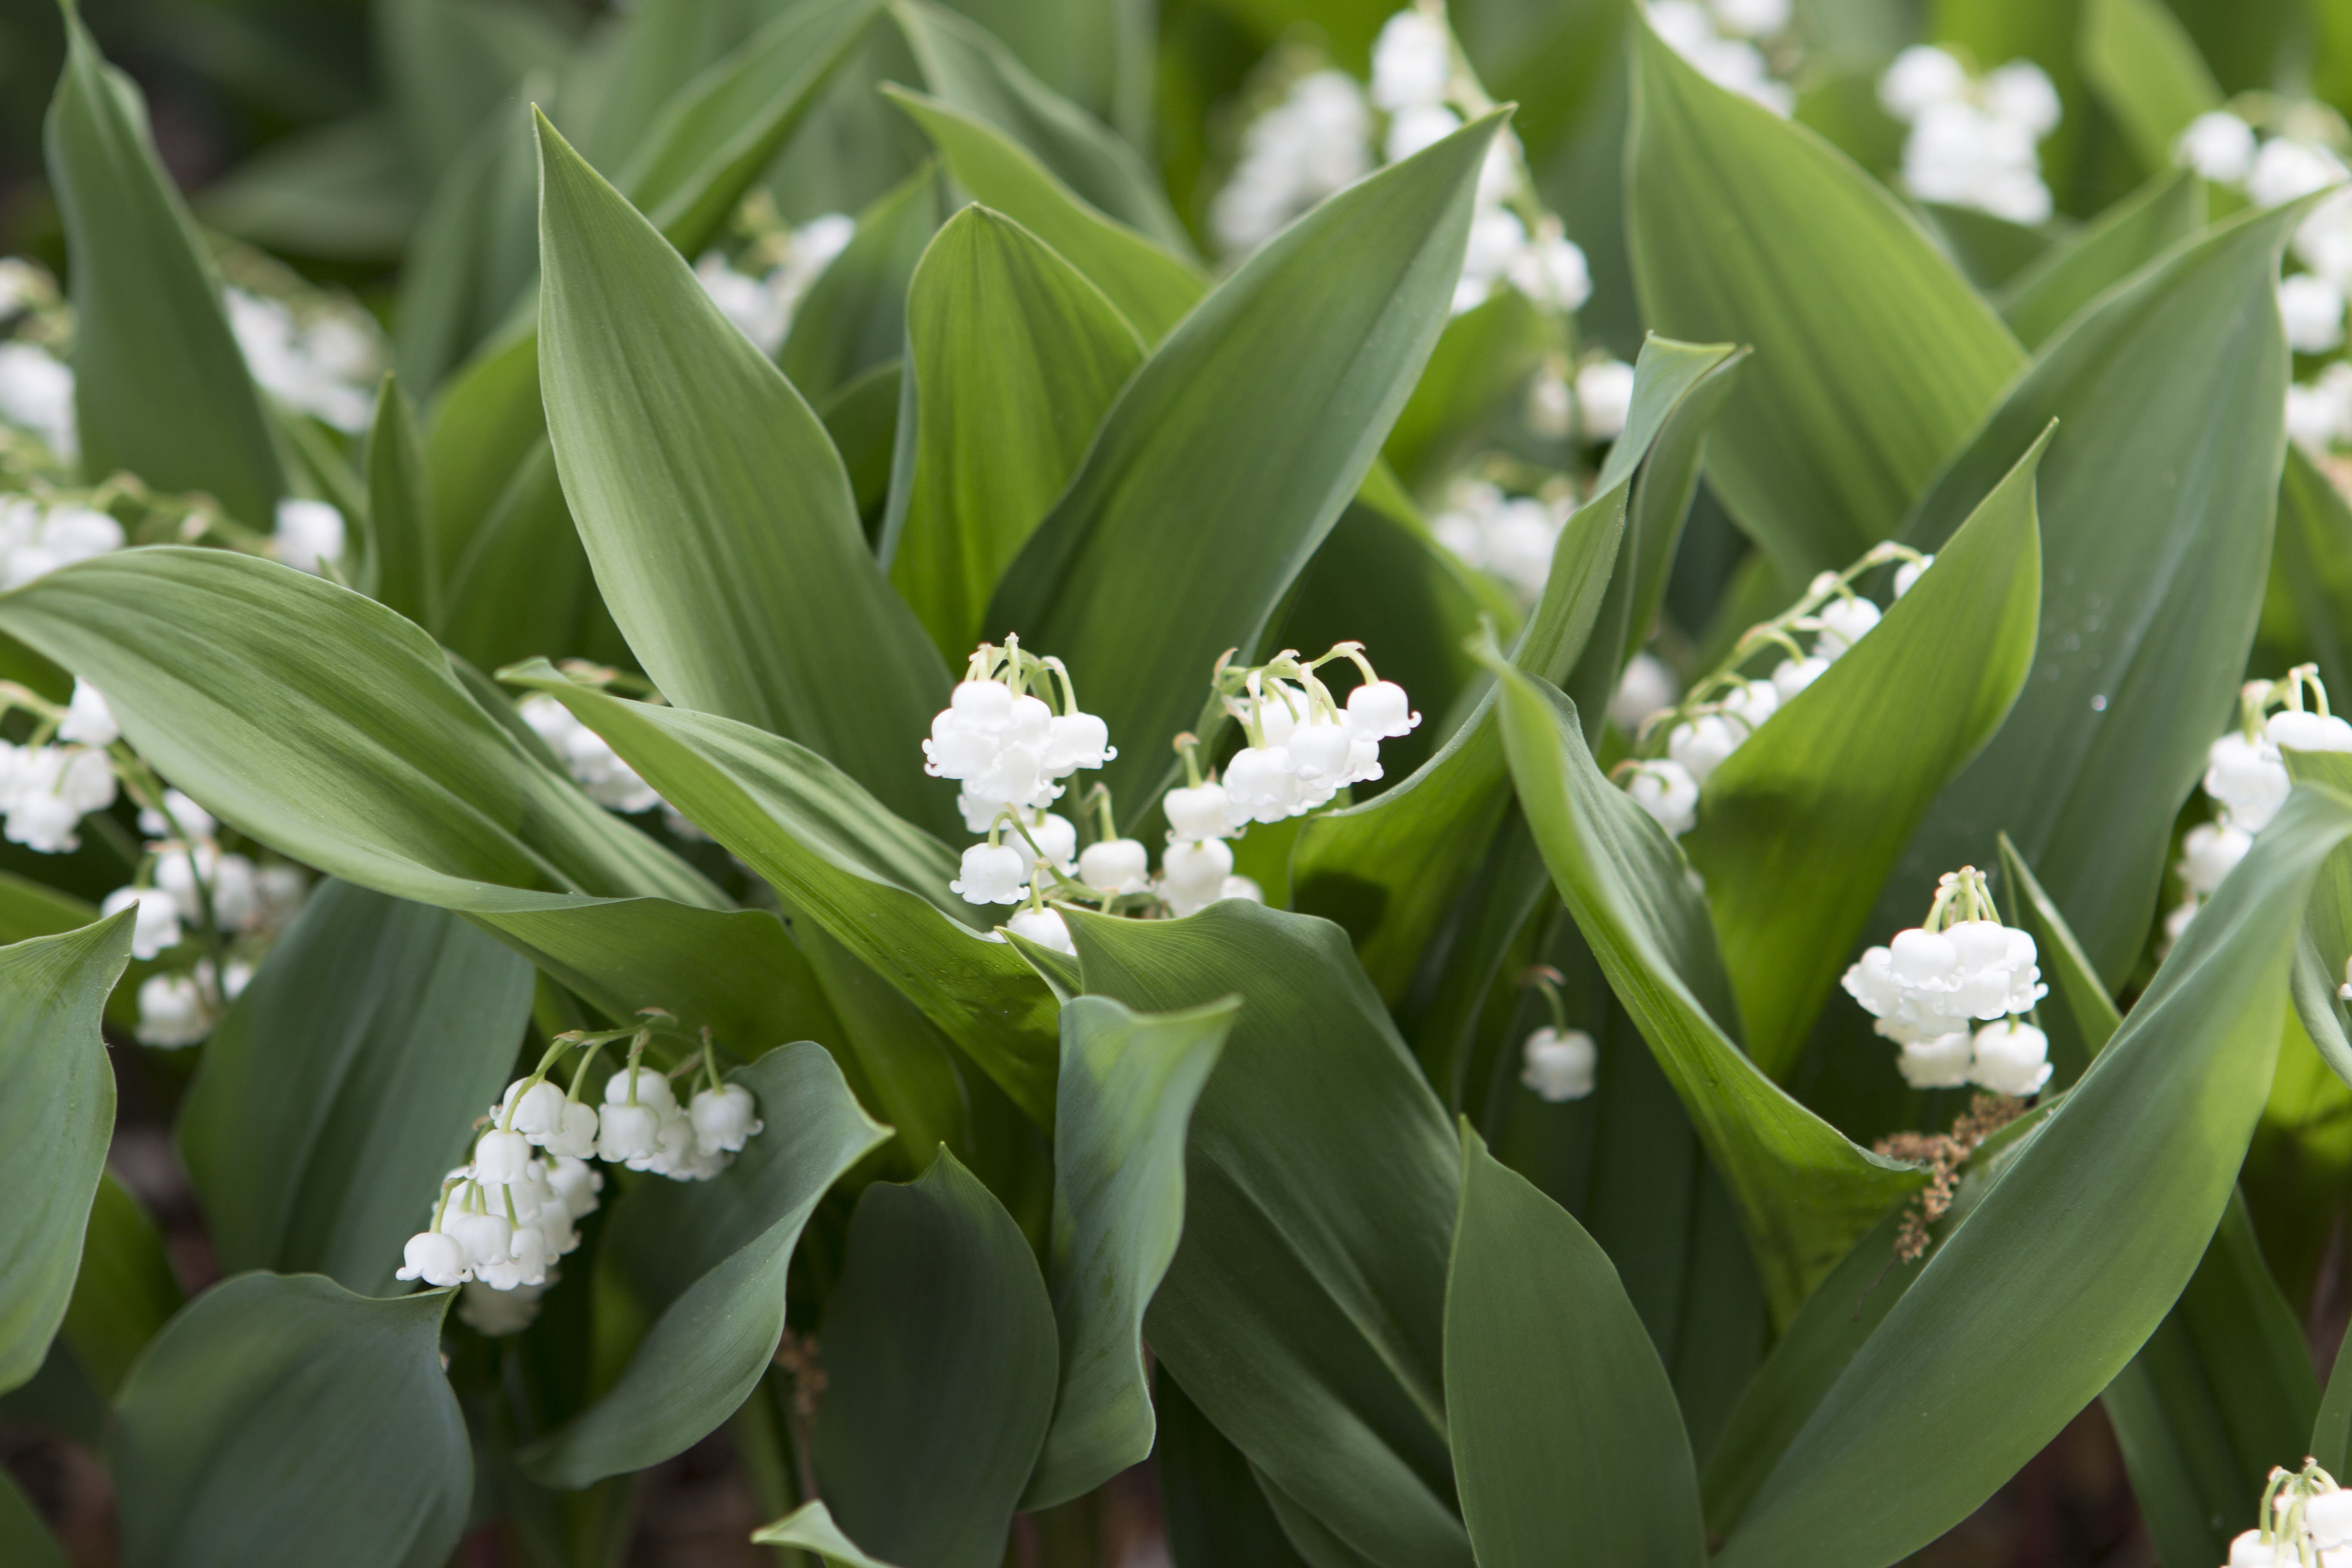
(500, 1157)
(1246, 889)
(1844, 622)
(1604, 400)
(1075, 740)
(1320, 748)
(487, 1239)
(1412, 63)
(1647, 687)
(525, 1263)
(1198, 813)
(171, 1012)
(89, 721)
(537, 1108)
(435, 1257)
(1379, 710)
(2011, 1058)
(1016, 775)
(1666, 790)
(1044, 926)
(2293, 731)
(652, 1088)
(955, 749)
(992, 874)
(2248, 779)
(1363, 762)
(1116, 866)
(1791, 675)
(1699, 746)
(1923, 960)
(1028, 721)
(675, 1150)
(1261, 785)
(1939, 1061)
(156, 927)
(2249, 1550)
(1193, 875)
(1558, 1064)
(725, 1118)
(2327, 1516)
(1909, 572)
(576, 1183)
(1056, 839)
(179, 818)
(575, 1134)
(983, 705)
(627, 1133)
(2208, 852)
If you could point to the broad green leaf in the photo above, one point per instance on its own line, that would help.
(1799, 827)
(1234, 450)
(2079, 1015)
(399, 569)
(940, 1366)
(837, 857)
(2314, 560)
(2025, 1311)
(713, 506)
(862, 420)
(2331, 1432)
(1482, 361)
(1128, 1088)
(810, 1528)
(2326, 955)
(124, 1290)
(240, 1430)
(707, 1261)
(2156, 504)
(1563, 1424)
(853, 317)
(966, 67)
(1303, 1309)
(2147, 73)
(2128, 236)
(340, 190)
(24, 1538)
(344, 1080)
(523, 588)
(59, 1090)
(894, 1059)
(160, 388)
(656, 50)
(1805, 1192)
(1216, 1515)
(1874, 357)
(1015, 356)
(485, 422)
(378, 767)
(1390, 869)
(1151, 286)
(474, 253)
(1990, 251)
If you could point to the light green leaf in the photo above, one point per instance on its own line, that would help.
(234, 1433)
(1152, 288)
(713, 506)
(58, 1089)
(1015, 356)
(940, 1365)
(810, 1528)
(1563, 1424)
(1128, 1088)
(1874, 357)
(2156, 503)
(2042, 1293)
(474, 256)
(345, 1080)
(2147, 73)
(1799, 827)
(485, 422)
(853, 317)
(399, 569)
(837, 857)
(125, 1291)
(894, 1059)
(2128, 236)
(1805, 1192)
(2313, 558)
(1303, 1310)
(160, 388)
(708, 1261)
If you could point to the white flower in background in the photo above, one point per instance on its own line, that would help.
(37, 395)
(1972, 143)
(36, 539)
(2319, 412)
(1558, 1064)
(1666, 790)
(1933, 983)
(1193, 875)
(1716, 40)
(1412, 62)
(587, 756)
(2306, 1521)
(180, 1009)
(2288, 168)
(1512, 537)
(1044, 926)
(2246, 777)
(1316, 141)
(1124, 865)
(1645, 687)
(2218, 145)
(308, 534)
(1197, 813)
(89, 721)
(762, 304)
(46, 791)
(1605, 398)
(2312, 310)
(324, 365)
(2011, 1056)
(157, 925)
(1909, 572)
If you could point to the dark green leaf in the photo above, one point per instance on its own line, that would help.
(707, 1261)
(124, 1290)
(523, 588)
(1128, 1087)
(160, 388)
(713, 506)
(399, 569)
(939, 1358)
(2147, 73)
(2128, 236)
(24, 1539)
(1563, 1424)
(474, 256)
(1874, 357)
(1483, 360)
(59, 1090)
(1216, 1515)
(340, 190)
(234, 1436)
(853, 316)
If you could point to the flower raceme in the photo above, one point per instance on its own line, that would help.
(1951, 993)
(2307, 1523)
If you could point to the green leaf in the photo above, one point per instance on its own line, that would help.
(967, 68)
(1128, 1088)
(837, 857)
(2025, 1311)
(24, 1538)
(1798, 829)
(2326, 952)
(1563, 1424)
(713, 506)
(124, 1290)
(1216, 1514)
(235, 1435)
(1990, 251)
(1805, 1192)
(2147, 73)
(473, 257)
(655, 51)
(1483, 360)
(58, 1090)
(1015, 356)
(2314, 559)
(377, 766)
(345, 1080)
(862, 421)
(940, 1366)
(895, 1061)
(2079, 1015)
(523, 588)
(399, 569)
(1152, 288)
(707, 1261)
(2331, 1432)
(1390, 870)
(2155, 501)
(1874, 357)
(1303, 1310)
(486, 421)
(2128, 236)
(810, 1527)
(340, 191)
(160, 388)
(853, 317)
(1234, 450)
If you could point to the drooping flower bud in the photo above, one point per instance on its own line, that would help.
(435, 1257)
(1196, 813)
(992, 874)
(1044, 926)
(652, 1088)
(500, 1157)
(89, 721)
(487, 1239)
(1844, 622)
(1379, 709)
(1558, 1064)
(2011, 1058)
(725, 1118)
(1118, 864)
(1939, 1061)
(1666, 790)
(626, 1132)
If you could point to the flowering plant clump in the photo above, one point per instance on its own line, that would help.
(950, 762)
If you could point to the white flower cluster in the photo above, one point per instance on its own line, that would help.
(1719, 40)
(506, 1217)
(323, 362)
(1645, 687)
(1973, 140)
(2306, 1523)
(36, 388)
(1730, 708)
(48, 784)
(761, 303)
(1511, 537)
(308, 536)
(1316, 141)
(38, 536)
(587, 756)
(2246, 777)
(1950, 993)
(1558, 1064)
(190, 871)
